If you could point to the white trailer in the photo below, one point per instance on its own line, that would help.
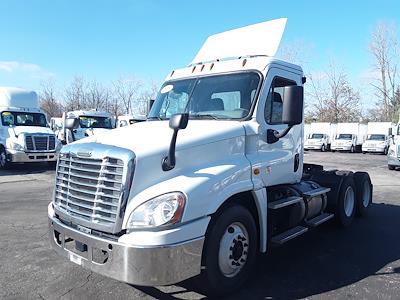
(219, 177)
(349, 137)
(320, 136)
(377, 140)
(24, 133)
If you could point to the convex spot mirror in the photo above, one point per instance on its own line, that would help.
(179, 121)
(292, 110)
(71, 123)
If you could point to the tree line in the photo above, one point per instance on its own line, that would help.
(126, 95)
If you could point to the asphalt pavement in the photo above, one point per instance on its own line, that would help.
(359, 262)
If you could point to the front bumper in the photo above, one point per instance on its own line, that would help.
(15, 156)
(312, 147)
(147, 266)
(341, 147)
(373, 149)
(393, 161)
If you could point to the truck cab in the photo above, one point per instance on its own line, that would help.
(344, 142)
(24, 132)
(90, 122)
(317, 141)
(213, 177)
(393, 155)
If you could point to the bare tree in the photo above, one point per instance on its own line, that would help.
(127, 90)
(97, 96)
(48, 102)
(148, 94)
(75, 94)
(384, 47)
(335, 100)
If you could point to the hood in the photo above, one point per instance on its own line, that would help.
(146, 138)
(29, 130)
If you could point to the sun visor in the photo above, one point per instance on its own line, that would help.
(258, 39)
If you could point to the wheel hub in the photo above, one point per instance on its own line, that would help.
(234, 246)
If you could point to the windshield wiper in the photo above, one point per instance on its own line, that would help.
(205, 116)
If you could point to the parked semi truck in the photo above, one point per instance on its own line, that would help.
(349, 137)
(214, 176)
(377, 140)
(320, 136)
(24, 133)
(91, 122)
(393, 156)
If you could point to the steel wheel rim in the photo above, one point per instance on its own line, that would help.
(349, 201)
(366, 194)
(233, 249)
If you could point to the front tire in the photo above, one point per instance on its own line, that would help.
(352, 149)
(230, 250)
(323, 149)
(346, 205)
(390, 167)
(4, 164)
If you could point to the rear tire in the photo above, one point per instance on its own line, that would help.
(346, 205)
(230, 251)
(363, 192)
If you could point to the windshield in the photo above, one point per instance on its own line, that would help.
(228, 96)
(344, 137)
(9, 118)
(95, 122)
(376, 137)
(317, 136)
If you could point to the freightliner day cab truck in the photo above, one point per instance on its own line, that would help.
(349, 137)
(91, 122)
(213, 177)
(377, 140)
(24, 133)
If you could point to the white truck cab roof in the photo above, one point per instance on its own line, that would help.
(91, 113)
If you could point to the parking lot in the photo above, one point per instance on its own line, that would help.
(361, 262)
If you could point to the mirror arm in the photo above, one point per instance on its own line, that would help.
(273, 136)
(170, 160)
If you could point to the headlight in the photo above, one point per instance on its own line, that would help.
(162, 210)
(349, 142)
(16, 146)
(392, 153)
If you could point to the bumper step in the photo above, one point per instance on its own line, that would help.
(318, 220)
(288, 235)
(316, 192)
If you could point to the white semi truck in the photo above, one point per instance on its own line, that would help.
(320, 136)
(377, 140)
(91, 122)
(213, 177)
(24, 133)
(349, 137)
(393, 156)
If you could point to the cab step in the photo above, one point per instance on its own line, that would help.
(318, 220)
(288, 235)
(284, 202)
(316, 192)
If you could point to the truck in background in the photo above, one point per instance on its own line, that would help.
(24, 133)
(320, 136)
(393, 156)
(91, 122)
(349, 137)
(126, 120)
(220, 177)
(377, 140)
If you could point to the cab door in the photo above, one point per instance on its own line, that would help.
(279, 162)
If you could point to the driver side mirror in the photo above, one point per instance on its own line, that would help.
(292, 113)
(71, 123)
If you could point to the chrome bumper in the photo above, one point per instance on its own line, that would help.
(147, 266)
(23, 157)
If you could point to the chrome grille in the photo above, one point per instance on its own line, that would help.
(40, 142)
(89, 189)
